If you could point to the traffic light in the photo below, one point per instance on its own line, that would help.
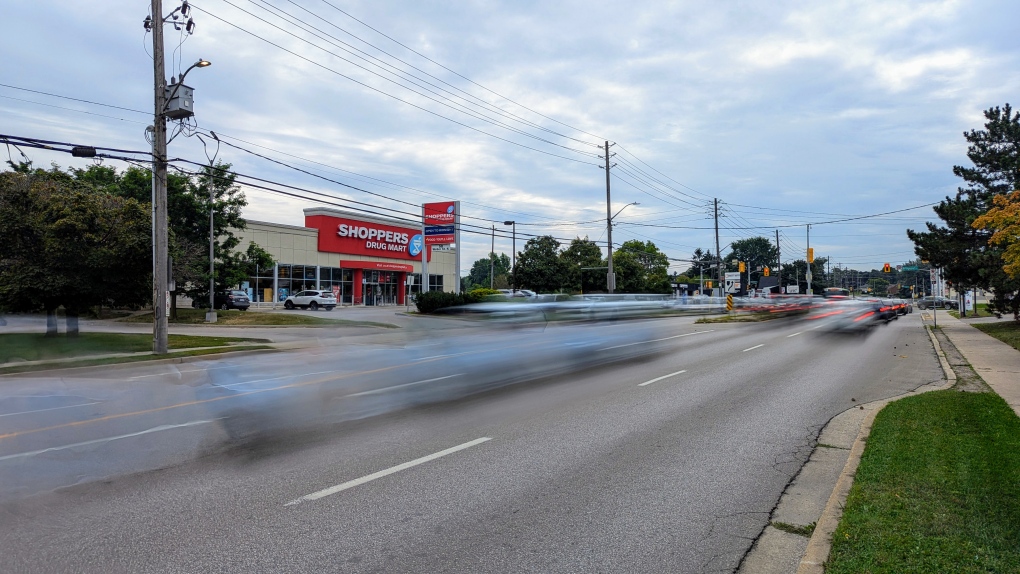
(886, 268)
(765, 271)
(741, 267)
(810, 254)
(708, 284)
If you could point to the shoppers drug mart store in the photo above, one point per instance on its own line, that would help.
(365, 260)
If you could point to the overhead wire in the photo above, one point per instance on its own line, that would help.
(392, 96)
(456, 73)
(466, 95)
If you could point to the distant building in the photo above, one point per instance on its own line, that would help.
(365, 260)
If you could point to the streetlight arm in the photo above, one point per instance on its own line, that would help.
(199, 64)
(622, 208)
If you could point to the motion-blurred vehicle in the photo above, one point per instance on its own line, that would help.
(848, 315)
(903, 306)
(889, 309)
(311, 299)
(258, 403)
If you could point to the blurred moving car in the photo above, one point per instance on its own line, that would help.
(311, 299)
(849, 315)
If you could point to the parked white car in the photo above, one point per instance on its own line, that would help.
(311, 299)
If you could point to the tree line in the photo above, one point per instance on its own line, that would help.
(977, 241)
(81, 239)
(545, 266)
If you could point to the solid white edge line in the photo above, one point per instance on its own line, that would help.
(660, 378)
(752, 348)
(393, 469)
(656, 340)
(49, 409)
(102, 440)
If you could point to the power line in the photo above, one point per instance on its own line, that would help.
(457, 74)
(482, 102)
(399, 99)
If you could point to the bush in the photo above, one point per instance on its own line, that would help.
(430, 301)
(482, 292)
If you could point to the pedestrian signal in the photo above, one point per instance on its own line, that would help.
(765, 271)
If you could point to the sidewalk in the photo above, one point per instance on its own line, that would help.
(996, 362)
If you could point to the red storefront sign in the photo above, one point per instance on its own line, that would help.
(355, 237)
(440, 220)
(348, 264)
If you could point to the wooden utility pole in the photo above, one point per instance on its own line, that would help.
(718, 255)
(160, 295)
(610, 276)
(779, 263)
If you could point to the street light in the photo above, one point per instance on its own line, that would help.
(210, 316)
(610, 276)
(513, 255)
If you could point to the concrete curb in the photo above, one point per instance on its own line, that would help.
(820, 544)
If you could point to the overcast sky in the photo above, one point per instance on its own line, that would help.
(788, 112)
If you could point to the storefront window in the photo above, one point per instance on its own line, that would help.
(435, 282)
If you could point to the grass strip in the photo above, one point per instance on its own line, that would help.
(16, 368)
(937, 490)
(254, 318)
(38, 347)
(1007, 332)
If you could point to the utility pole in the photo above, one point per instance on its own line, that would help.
(492, 257)
(610, 276)
(807, 276)
(779, 262)
(718, 255)
(160, 296)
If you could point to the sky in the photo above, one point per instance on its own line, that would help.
(788, 113)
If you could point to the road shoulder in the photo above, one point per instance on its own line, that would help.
(798, 537)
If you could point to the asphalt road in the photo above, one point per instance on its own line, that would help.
(661, 463)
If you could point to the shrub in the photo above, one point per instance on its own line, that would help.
(430, 301)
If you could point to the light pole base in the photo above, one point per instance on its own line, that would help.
(210, 316)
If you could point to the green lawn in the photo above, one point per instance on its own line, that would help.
(235, 317)
(981, 310)
(937, 491)
(1007, 331)
(37, 347)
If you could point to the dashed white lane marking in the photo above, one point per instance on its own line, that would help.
(393, 469)
(384, 389)
(656, 340)
(660, 378)
(795, 334)
(752, 348)
(49, 409)
(278, 378)
(102, 440)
